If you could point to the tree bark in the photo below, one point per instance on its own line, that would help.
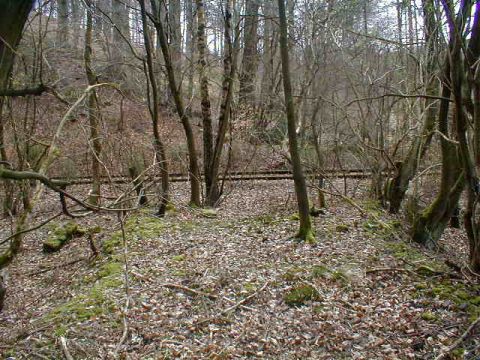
(305, 232)
(13, 16)
(194, 172)
(229, 70)
(121, 18)
(62, 23)
(462, 87)
(153, 107)
(175, 33)
(204, 96)
(430, 224)
(190, 43)
(93, 112)
(250, 54)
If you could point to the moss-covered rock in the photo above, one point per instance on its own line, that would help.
(60, 235)
(300, 294)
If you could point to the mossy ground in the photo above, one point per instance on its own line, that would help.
(310, 290)
(98, 293)
(60, 235)
(300, 294)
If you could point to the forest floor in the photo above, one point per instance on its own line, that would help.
(231, 284)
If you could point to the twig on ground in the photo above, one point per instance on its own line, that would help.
(371, 271)
(459, 341)
(192, 291)
(63, 345)
(38, 272)
(121, 219)
(241, 302)
(235, 306)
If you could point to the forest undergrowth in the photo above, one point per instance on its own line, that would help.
(230, 283)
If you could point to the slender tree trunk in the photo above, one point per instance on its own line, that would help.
(194, 172)
(175, 34)
(121, 18)
(229, 70)
(62, 23)
(190, 43)
(153, 107)
(93, 111)
(77, 15)
(213, 151)
(250, 54)
(305, 232)
(205, 96)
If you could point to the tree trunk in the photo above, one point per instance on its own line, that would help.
(175, 34)
(93, 112)
(194, 172)
(77, 15)
(153, 107)
(121, 18)
(190, 43)
(305, 232)
(250, 54)
(213, 151)
(430, 224)
(229, 70)
(204, 96)
(462, 94)
(62, 23)
(13, 16)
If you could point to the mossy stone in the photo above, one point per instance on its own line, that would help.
(61, 235)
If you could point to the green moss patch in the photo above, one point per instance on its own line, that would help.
(464, 297)
(429, 316)
(138, 226)
(92, 303)
(60, 235)
(378, 227)
(179, 258)
(300, 294)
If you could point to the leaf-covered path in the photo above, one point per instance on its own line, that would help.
(232, 284)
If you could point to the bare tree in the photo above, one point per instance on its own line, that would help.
(194, 171)
(154, 113)
(94, 116)
(305, 232)
(250, 53)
